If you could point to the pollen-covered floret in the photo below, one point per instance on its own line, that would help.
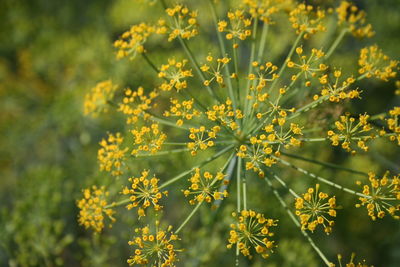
(202, 138)
(306, 20)
(205, 187)
(225, 114)
(373, 63)
(93, 208)
(238, 26)
(354, 20)
(382, 196)
(174, 74)
(252, 231)
(111, 156)
(183, 110)
(183, 22)
(143, 193)
(96, 101)
(315, 208)
(148, 139)
(154, 247)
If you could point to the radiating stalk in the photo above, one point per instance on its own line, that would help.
(188, 217)
(336, 43)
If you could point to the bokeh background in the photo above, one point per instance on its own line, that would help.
(51, 54)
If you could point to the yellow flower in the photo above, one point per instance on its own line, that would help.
(305, 20)
(252, 231)
(183, 110)
(93, 208)
(96, 101)
(314, 208)
(353, 19)
(154, 247)
(373, 63)
(148, 139)
(382, 196)
(184, 22)
(205, 187)
(143, 193)
(238, 26)
(174, 75)
(111, 157)
(202, 138)
(225, 114)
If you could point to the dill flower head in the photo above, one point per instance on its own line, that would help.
(154, 247)
(353, 19)
(143, 193)
(315, 208)
(147, 139)
(93, 208)
(351, 134)
(111, 156)
(351, 262)
(374, 63)
(205, 187)
(381, 196)
(96, 102)
(252, 231)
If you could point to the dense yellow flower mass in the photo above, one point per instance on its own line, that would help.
(381, 196)
(225, 94)
(314, 208)
(93, 208)
(252, 231)
(154, 247)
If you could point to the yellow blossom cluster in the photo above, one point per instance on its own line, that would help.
(265, 74)
(93, 208)
(238, 25)
(373, 63)
(306, 20)
(309, 66)
(202, 138)
(143, 193)
(351, 262)
(263, 10)
(337, 89)
(136, 104)
(182, 110)
(214, 72)
(353, 19)
(147, 139)
(132, 41)
(96, 101)
(381, 196)
(393, 124)
(205, 187)
(252, 230)
(225, 114)
(174, 75)
(184, 22)
(351, 133)
(111, 156)
(154, 247)
(313, 210)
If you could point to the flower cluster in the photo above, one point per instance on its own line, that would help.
(184, 22)
(338, 89)
(305, 20)
(96, 101)
(205, 187)
(148, 139)
(174, 75)
(182, 110)
(264, 10)
(373, 63)
(252, 230)
(225, 114)
(313, 209)
(351, 133)
(132, 42)
(93, 208)
(143, 193)
(154, 247)
(393, 124)
(214, 72)
(353, 20)
(238, 26)
(110, 155)
(202, 138)
(381, 196)
(136, 104)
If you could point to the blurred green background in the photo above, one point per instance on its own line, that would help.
(51, 54)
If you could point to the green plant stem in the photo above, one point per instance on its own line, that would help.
(296, 222)
(196, 66)
(321, 179)
(263, 41)
(250, 70)
(291, 191)
(188, 217)
(284, 64)
(336, 43)
(223, 54)
(325, 164)
(236, 69)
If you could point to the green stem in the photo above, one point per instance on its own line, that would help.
(236, 68)
(252, 55)
(284, 64)
(321, 179)
(188, 217)
(263, 41)
(238, 185)
(336, 43)
(325, 164)
(296, 222)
